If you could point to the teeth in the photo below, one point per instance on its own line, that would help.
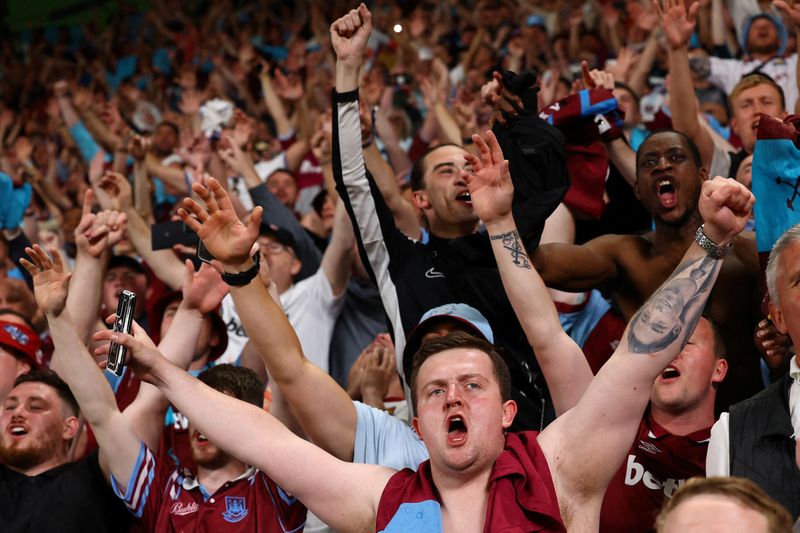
(18, 430)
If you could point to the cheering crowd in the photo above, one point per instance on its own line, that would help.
(426, 266)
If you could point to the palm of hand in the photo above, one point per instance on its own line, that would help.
(491, 192)
(50, 289)
(206, 290)
(226, 237)
(677, 28)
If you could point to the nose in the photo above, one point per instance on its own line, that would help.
(453, 395)
(663, 163)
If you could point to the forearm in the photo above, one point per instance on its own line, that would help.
(141, 191)
(338, 257)
(170, 175)
(681, 91)
(622, 157)
(68, 112)
(718, 30)
(447, 125)
(564, 366)
(638, 76)
(83, 300)
(403, 212)
(179, 343)
(275, 107)
(163, 262)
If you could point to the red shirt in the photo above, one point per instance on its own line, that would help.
(166, 500)
(657, 464)
(521, 498)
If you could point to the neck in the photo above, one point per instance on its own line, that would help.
(446, 230)
(213, 478)
(763, 56)
(686, 422)
(670, 234)
(41, 468)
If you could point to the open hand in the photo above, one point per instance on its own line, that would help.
(118, 189)
(489, 180)
(225, 236)
(50, 281)
(678, 23)
(203, 290)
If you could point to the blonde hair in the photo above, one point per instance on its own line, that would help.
(754, 80)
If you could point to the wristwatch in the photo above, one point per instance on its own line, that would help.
(712, 249)
(242, 278)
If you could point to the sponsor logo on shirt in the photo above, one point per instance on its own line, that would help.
(433, 274)
(182, 509)
(635, 473)
(648, 447)
(235, 508)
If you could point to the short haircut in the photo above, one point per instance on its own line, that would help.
(698, 160)
(50, 378)
(789, 237)
(628, 88)
(171, 125)
(7, 311)
(753, 80)
(240, 382)
(418, 170)
(281, 171)
(720, 352)
(741, 490)
(461, 339)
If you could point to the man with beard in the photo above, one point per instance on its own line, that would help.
(225, 494)
(40, 489)
(669, 176)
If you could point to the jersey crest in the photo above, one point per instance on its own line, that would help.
(235, 508)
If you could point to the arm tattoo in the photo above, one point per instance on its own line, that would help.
(672, 312)
(513, 244)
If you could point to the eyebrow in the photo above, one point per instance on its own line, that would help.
(461, 378)
(445, 164)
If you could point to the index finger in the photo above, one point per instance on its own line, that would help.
(494, 147)
(587, 76)
(88, 199)
(220, 195)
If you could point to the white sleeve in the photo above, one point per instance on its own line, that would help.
(720, 163)
(725, 73)
(323, 294)
(382, 439)
(718, 458)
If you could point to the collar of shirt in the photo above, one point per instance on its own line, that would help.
(191, 482)
(794, 395)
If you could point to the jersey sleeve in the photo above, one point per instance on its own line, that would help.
(142, 495)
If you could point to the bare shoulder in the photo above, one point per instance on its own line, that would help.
(612, 244)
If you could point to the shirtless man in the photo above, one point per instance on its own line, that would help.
(669, 176)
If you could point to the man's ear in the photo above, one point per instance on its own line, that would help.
(71, 425)
(777, 317)
(636, 189)
(415, 425)
(420, 199)
(296, 266)
(720, 370)
(703, 171)
(509, 412)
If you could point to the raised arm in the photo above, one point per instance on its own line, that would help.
(564, 366)
(678, 25)
(583, 463)
(303, 385)
(119, 444)
(338, 257)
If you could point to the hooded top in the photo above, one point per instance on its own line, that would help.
(783, 35)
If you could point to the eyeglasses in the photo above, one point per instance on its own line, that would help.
(273, 248)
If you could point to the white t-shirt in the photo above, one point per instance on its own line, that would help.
(237, 338)
(238, 186)
(728, 72)
(312, 310)
(382, 439)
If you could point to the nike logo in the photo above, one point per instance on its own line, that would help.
(432, 274)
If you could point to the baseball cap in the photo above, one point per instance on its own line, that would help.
(536, 20)
(281, 235)
(469, 316)
(127, 262)
(217, 324)
(22, 340)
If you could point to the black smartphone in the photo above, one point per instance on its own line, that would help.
(165, 235)
(123, 323)
(203, 254)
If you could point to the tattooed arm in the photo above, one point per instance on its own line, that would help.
(586, 446)
(562, 361)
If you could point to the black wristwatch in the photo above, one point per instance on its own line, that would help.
(243, 278)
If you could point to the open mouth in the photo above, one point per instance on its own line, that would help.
(464, 197)
(456, 430)
(667, 194)
(670, 373)
(18, 431)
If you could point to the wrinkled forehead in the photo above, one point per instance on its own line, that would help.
(444, 155)
(661, 142)
(455, 362)
(32, 390)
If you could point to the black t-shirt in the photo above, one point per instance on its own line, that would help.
(71, 497)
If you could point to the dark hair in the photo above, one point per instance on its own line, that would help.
(461, 339)
(698, 160)
(171, 125)
(240, 382)
(418, 169)
(737, 489)
(50, 378)
(628, 88)
(281, 171)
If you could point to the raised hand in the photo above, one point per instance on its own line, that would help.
(678, 23)
(288, 87)
(792, 10)
(489, 180)
(50, 281)
(97, 233)
(772, 344)
(725, 206)
(118, 189)
(350, 33)
(144, 356)
(597, 78)
(225, 236)
(378, 371)
(203, 290)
